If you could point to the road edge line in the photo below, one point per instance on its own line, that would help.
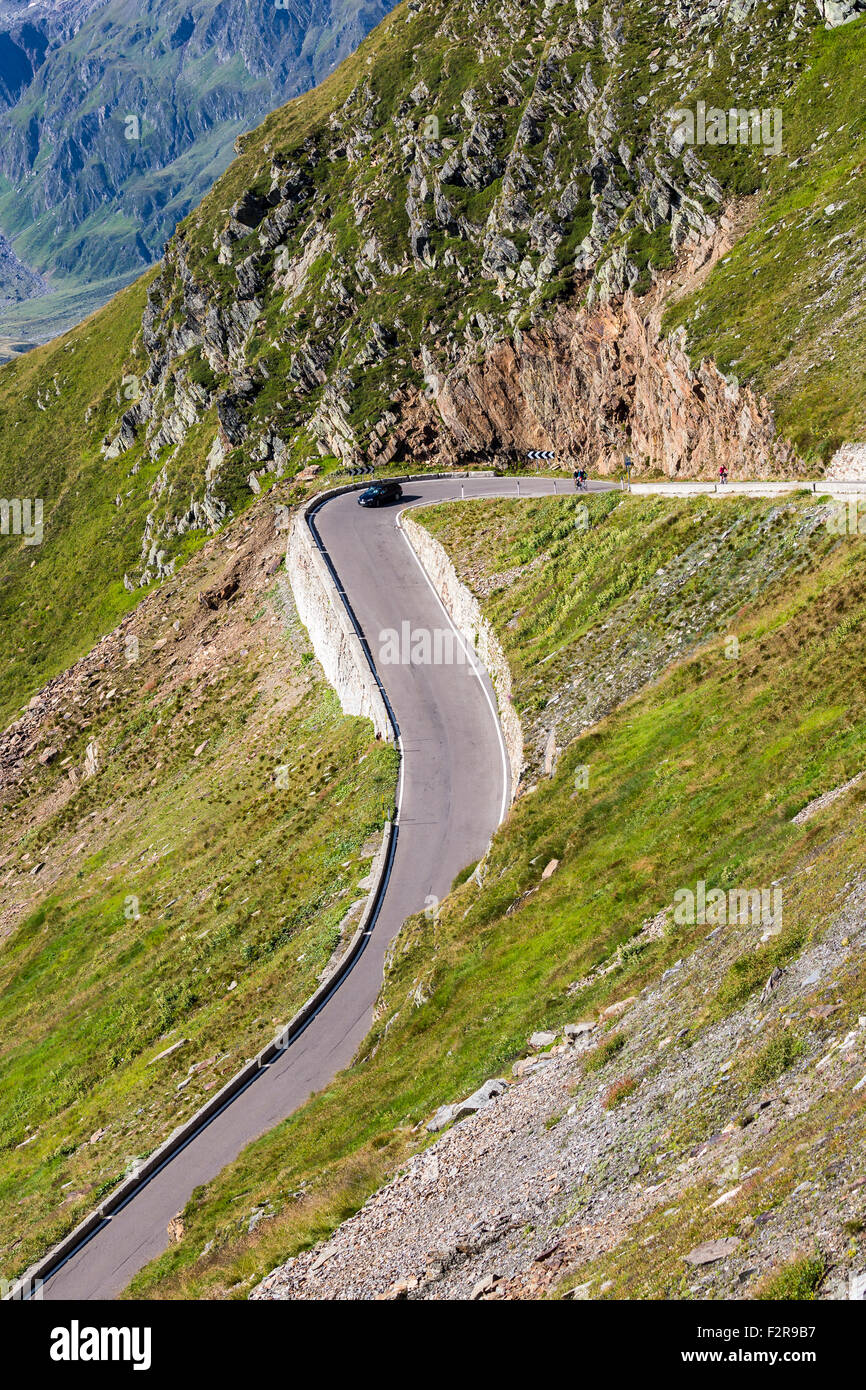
(51, 1262)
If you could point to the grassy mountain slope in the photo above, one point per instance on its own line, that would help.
(349, 252)
(186, 818)
(301, 305)
(55, 404)
(784, 311)
(453, 181)
(35, 321)
(697, 775)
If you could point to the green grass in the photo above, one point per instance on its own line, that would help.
(194, 889)
(760, 315)
(788, 717)
(774, 1059)
(763, 326)
(648, 593)
(798, 1282)
(58, 597)
(605, 1052)
(37, 320)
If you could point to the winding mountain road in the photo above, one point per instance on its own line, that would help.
(453, 794)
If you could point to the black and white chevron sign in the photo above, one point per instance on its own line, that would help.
(540, 454)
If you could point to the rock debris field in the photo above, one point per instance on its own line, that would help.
(692, 1170)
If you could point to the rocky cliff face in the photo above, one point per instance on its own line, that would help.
(482, 235)
(17, 281)
(593, 385)
(471, 244)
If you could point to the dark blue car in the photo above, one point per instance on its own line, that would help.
(380, 494)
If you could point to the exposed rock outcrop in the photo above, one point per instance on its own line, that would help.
(595, 384)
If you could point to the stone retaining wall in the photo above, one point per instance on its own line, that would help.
(465, 613)
(323, 612)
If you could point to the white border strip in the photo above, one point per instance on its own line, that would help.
(477, 668)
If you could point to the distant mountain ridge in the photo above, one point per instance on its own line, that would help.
(116, 118)
(17, 280)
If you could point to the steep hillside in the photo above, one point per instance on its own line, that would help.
(481, 234)
(186, 823)
(57, 597)
(359, 287)
(428, 256)
(680, 1084)
(118, 118)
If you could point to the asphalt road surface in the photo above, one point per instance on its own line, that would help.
(454, 792)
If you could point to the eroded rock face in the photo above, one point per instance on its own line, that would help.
(513, 249)
(595, 384)
(572, 202)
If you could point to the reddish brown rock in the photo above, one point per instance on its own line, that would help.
(595, 384)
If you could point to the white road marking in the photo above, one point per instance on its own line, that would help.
(478, 670)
